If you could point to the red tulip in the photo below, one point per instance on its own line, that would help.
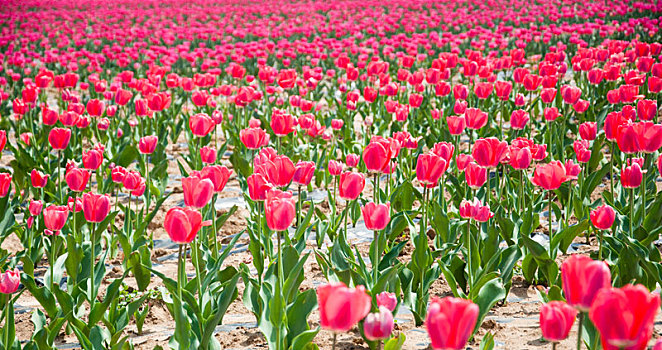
(503, 89)
(335, 167)
(582, 279)
(520, 158)
(200, 98)
(378, 325)
(130, 180)
(551, 114)
(147, 144)
(351, 185)
(475, 118)
(570, 94)
(376, 156)
(649, 136)
(456, 125)
(352, 161)
(254, 138)
(279, 170)
(631, 176)
(208, 154)
(59, 138)
(201, 124)
(340, 307)
(376, 216)
(518, 119)
(218, 175)
(613, 122)
(475, 210)
(35, 207)
(38, 179)
(429, 168)
(10, 280)
(279, 209)
(5, 181)
(450, 322)
(282, 123)
(475, 175)
(197, 191)
(603, 217)
(550, 176)
(95, 107)
(122, 97)
(588, 131)
(92, 159)
(3, 140)
(556, 319)
(387, 300)
(258, 186)
(77, 179)
(287, 78)
(303, 173)
(95, 207)
(647, 109)
(625, 316)
(489, 152)
(183, 224)
(55, 216)
(572, 169)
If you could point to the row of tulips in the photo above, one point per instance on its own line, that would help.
(457, 146)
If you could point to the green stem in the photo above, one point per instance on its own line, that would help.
(53, 252)
(643, 187)
(280, 287)
(375, 184)
(549, 214)
(180, 273)
(468, 246)
(611, 170)
(580, 325)
(92, 258)
(375, 268)
(299, 206)
(7, 345)
(631, 212)
(521, 191)
(195, 254)
(59, 175)
(600, 233)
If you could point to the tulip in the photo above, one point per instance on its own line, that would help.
(387, 300)
(429, 168)
(303, 173)
(550, 176)
(376, 156)
(254, 138)
(631, 176)
(55, 216)
(74, 205)
(282, 123)
(77, 179)
(518, 119)
(197, 191)
(147, 144)
(475, 175)
(59, 138)
(95, 207)
(582, 279)
(588, 131)
(475, 118)
(340, 307)
(201, 124)
(603, 217)
(279, 170)
(130, 180)
(35, 207)
(5, 182)
(95, 107)
(520, 158)
(378, 325)
(3, 140)
(556, 319)
(9, 281)
(352, 161)
(335, 167)
(218, 175)
(92, 159)
(649, 136)
(280, 210)
(258, 186)
(456, 125)
(625, 316)
(183, 224)
(489, 152)
(351, 185)
(376, 216)
(450, 322)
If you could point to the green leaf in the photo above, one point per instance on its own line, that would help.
(488, 295)
(396, 342)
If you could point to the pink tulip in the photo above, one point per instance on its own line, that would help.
(341, 308)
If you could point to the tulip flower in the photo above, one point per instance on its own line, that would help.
(303, 173)
(77, 179)
(549, 176)
(582, 279)
(489, 152)
(518, 119)
(201, 124)
(254, 138)
(588, 131)
(556, 319)
(208, 155)
(352, 161)
(147, 144)
(59, 138)
(130, 180)
(631, 176)
(280, 210)
(456, 125)
(475, 175)
(9, 281)
(429, 168)
(5, 182)
(376, 156)
(602, 218)
(197, 191)
(387, 300)
(351, 185)
(475, 118)
(258, 186)
(96, 207)
(341, 307)
(376, 216)
(282, 123)
(450, 322)
(183, 224)
(92, 159)
(55, 216)
(3, 140)
(35, 207)
(378, 325)
(625, 316)
(218, 175)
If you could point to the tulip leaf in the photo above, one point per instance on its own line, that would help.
(490, 293)
(564, 238)
(396, 342)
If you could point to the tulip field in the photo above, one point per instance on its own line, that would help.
(301, 175)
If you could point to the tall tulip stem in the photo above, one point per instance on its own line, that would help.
(580, 327)
(92, 258)
(195, 254)
(611, 169)
(376, 188)
(59, 175)
(280, 285)
(180, 273)
(549, 214)
(468, 246)
(375, 268)
(631, 212)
